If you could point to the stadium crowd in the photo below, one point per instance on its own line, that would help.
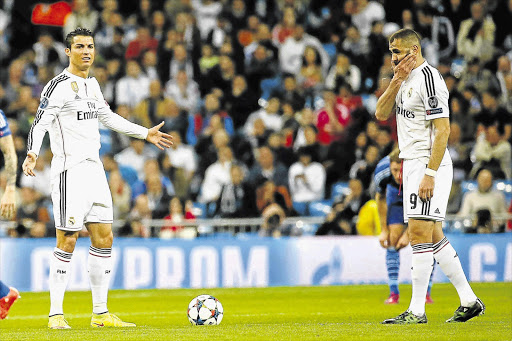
(270, 102)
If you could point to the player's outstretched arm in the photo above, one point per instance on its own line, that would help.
(159, 139)
(8, 201)
(29, 164)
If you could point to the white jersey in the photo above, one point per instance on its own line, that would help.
(422, 97)
(69, 110)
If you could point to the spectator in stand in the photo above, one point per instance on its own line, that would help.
(14, 81)
(149, 64)
(345, 209)
(269, 194)
(267, 168)
(306, 179)
(485, 204)
(459, 152)
(216, 176)
(261, 66)
(504, 68)
(493, 153)
(311, 77)
(476, 35)
(32, 213)
(159, 25)
(139, 219)
(355, 46)
(107, 85)
(175, 217)
(459, 114)
(285, 27)
(48, 51)
(209, 146)
(184, 91)
(439, 39)
(332, 119)
(289, 93)
(133, 87)
(207, 11)
(121, 194)
(277, 142)
(366, 12)
(158, 196)
(493, 114)
(236, 199)
(220, 76)
(82, 16)
(180, 164)
(143, 42)
(208, 59)
(142, 14)
(379, 48)
(269, 115)
(219, 32)
(363, 169)
(241, 102)
(308, 137)
(181, 61)
(292, 50)
(476, 76)
(261, 36)
(153, 108)
(174, 118)
(259, 133)
(508, 88)
(151, 166)
(343, 72)
(456, 11)
(200, 124)
(135, 156)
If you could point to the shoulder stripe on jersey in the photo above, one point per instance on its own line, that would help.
(430, 77)
(53, 85)
(36, 120)
(427, 82)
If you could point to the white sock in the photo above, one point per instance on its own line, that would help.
(422, 264)
(447, 258)
(60, 266)
(99, 266)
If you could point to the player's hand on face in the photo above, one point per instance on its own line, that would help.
(159, 139)
(7, 204)
(384, 239)
(404, 68)
(29, 165)
(426, 189)
(403, 241)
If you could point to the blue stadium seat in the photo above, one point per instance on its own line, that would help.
(504, 186)
(468, 186)
(339, 189)
(301, 207)
(320, 208)
(199, 210)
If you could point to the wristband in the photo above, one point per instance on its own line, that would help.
(430, 172)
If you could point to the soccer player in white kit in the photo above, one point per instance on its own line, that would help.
(420, 96)
(70, 110)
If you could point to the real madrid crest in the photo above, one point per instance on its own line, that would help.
(409, 94)
(74, 86)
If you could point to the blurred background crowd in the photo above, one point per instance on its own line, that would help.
(271, 104)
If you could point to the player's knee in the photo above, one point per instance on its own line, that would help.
(66, 241)
(103, 240)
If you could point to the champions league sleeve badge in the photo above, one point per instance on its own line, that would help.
(432, 102)
(44, 103)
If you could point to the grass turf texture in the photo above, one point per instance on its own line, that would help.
(283, 313)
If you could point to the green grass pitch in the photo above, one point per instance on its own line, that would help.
(282, 313)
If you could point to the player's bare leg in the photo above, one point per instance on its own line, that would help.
(60, 266)
(447, 258)
(420, 235)
(99, 267)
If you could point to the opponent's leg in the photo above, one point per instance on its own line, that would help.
(447, 258)
(60, 266)
(7, 298)
(393, 262)
(99, 267)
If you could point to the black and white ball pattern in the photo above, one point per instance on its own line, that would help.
(205, 310)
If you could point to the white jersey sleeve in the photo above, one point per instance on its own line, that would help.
(49, 106)
(115, 122)
(434, 94)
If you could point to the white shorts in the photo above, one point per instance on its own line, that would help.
(81, 195)
(435, 208)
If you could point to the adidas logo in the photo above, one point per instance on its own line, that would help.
(437, 211)
(77, 97)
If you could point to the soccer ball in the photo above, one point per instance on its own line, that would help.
(205, 310)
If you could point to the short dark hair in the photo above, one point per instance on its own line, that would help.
(79, 31)
(406, 34)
